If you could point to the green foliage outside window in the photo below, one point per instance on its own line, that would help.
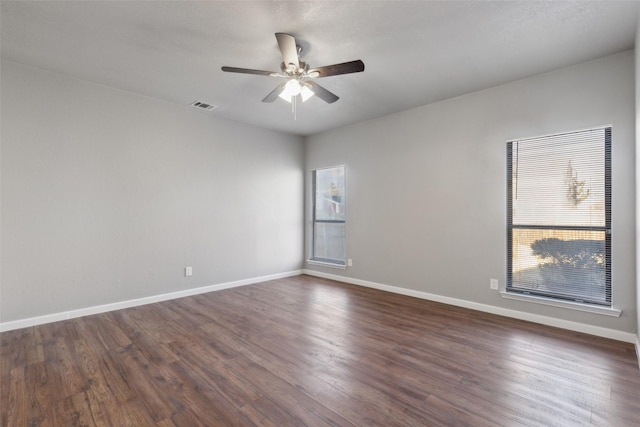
(571, 263)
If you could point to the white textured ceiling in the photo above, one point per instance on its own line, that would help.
(415, 52)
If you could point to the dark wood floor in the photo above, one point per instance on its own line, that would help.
(308, 351)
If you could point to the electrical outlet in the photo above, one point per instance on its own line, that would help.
(349, 262)
(188, 271)
(493, 284)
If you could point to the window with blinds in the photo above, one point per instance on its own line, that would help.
(329, 215)
(559, 216)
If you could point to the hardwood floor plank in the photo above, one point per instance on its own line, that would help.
(15, 401)
(453, 412)
(166, 423)
(13, 349)
(206, 399)
(37, 392)
(101, 331)
(130, 413)
(116, 378)
(157, 388)
(301, 409)
(149, 340)
(64, 377)
(305, 351)
(334, 389)
(234, 389)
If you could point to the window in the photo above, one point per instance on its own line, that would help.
(329, 216)
(559, 216)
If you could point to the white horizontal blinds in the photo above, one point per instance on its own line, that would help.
(559, 243)
(560, 180)
(329, 194)
(566, 264)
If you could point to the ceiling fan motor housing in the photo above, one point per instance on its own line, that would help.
(291, 70)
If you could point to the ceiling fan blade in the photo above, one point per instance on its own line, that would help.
(250, 71)
(336, 69)
(322, 93)
(274, 93)
(287, 44)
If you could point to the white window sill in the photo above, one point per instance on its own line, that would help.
(589, 308)
(326, 264)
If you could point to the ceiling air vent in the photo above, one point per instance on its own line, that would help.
(203, 105)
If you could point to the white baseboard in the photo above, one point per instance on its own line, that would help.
(536, 318)
(55, 317)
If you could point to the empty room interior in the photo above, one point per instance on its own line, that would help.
(287, 213)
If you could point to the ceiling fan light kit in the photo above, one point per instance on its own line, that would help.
(299, 77)
(294, 88)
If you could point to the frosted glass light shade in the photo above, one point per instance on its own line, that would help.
(294, 88)
(306, 93)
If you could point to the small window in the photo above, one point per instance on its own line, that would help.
(329, 215)
(559, 216)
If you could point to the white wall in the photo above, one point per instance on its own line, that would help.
(107, 196)
(426, 188)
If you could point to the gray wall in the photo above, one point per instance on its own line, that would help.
(637, 112)
(426, 188)
(107, 196)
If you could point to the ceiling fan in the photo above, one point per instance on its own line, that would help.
(299, 77)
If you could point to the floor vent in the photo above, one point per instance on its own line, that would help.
(203, 105)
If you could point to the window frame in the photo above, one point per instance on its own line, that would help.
(313, 259)
(518, 293)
